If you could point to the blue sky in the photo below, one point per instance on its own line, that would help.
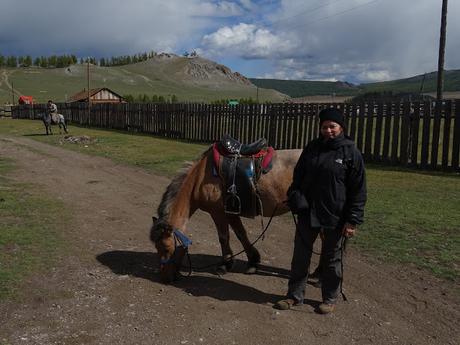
(351, 40)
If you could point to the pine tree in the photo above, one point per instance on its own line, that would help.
(12, 61)
(27, 61)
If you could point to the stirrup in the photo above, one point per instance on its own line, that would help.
(232, 204)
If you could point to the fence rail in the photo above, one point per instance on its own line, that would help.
(424, 135)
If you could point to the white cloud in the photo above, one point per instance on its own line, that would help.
(104, 27)
(372, 76)
(356, 40)
(248, 41)
(359, 40)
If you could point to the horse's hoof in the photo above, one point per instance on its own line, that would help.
(251, 270)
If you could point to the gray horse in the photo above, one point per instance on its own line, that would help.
(54, 119)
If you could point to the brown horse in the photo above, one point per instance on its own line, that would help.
(198, 188)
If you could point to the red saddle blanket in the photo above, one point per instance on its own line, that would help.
(266, 156)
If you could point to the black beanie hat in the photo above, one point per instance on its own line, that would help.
(332, 114)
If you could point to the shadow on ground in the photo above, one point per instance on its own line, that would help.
(36, 135)
(145, 265)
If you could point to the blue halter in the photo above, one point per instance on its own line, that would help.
(183, 239)
(184, 242)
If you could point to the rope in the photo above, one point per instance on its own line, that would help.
(201, 268)
(342, 249)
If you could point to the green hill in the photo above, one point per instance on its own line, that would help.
(299, 88)
(190, 79)
(451, 83)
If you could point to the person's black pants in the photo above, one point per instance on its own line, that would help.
(331, 261)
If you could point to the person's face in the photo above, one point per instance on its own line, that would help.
(330, 129)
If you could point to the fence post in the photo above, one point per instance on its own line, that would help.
(272, 128)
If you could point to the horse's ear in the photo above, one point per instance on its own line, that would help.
(154, 219)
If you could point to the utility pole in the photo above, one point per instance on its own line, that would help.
(422, 84)
(89, 95)
(442, 48)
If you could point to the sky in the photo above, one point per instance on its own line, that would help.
(357, 41)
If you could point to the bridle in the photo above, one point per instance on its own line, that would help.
(180, 241)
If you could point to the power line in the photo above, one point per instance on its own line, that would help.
(333, 15)
(310, 10)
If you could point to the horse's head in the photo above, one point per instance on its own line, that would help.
(171, 255)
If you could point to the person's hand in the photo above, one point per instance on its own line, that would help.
(349, 230)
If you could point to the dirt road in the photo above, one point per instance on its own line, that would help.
(105, 290)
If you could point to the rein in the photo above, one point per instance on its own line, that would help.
(262, 235)
(185, 242)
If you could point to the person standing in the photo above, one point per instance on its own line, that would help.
(330, 175)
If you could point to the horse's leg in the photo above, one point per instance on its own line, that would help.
(251, 251)
(224, 238)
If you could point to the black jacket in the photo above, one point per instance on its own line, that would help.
(331, 176)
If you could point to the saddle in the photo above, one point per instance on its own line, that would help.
(240, 166)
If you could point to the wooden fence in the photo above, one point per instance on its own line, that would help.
(424, 135)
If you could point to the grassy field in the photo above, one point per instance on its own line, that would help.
(411, 216)
(157, 155)
(29, 236)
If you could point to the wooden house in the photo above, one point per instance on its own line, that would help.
(98, 95)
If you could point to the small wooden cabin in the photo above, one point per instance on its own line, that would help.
(26, 100)
(98, 95)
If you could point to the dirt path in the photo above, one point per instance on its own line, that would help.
(8, 84)
(106, 289)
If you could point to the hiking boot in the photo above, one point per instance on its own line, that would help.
(284, 304)
(326, 308)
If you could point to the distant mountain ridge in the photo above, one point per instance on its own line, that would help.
(194, 79)
(190, 79)
(302, 88)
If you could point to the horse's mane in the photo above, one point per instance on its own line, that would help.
(174, 187)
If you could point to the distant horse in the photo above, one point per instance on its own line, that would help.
(199, 188)
(54, 119)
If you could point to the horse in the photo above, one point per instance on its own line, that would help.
(54, 119)
(198, 188)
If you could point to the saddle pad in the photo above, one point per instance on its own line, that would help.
(265, 163)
